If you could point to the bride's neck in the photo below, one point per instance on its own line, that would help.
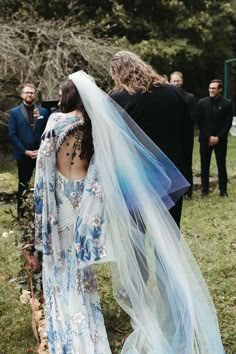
(75, 113)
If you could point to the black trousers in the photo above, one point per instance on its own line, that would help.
(25, 171)
(189, 178)
(220, 151)
(176, 211)
(188, 168)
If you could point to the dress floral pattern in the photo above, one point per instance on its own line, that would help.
(70, 228)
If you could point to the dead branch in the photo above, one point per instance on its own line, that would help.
(46, 52)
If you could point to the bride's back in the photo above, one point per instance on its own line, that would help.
(68, 158)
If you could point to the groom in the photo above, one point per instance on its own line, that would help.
(26, 125)
(160, 110)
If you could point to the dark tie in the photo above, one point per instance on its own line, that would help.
(30, 115)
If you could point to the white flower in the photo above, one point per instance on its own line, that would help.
(59, 349)
(96, 336)
(41, 163)
(38, 315)
(78, 317)
(58, 289)
(73, 194)
(77, 247)
(25, 297)
(42, 329)
(47, 311)
(95, 221)
(5, 234)
(35, 304)
(52, 147)
(52, 220)
(96, 188)
(102, 253)
(76, 351)
(41, 193)
(61, 234)
(42, 349)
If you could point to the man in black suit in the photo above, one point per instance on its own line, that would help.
(158, 108)
(176, 78)
(215, 114)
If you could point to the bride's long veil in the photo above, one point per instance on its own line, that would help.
(155, 278)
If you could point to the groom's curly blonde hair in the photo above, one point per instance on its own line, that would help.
(132, 74)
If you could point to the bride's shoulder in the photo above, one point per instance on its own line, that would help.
(55, 119)
(55, 116)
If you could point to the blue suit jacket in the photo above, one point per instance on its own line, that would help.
(22, 135)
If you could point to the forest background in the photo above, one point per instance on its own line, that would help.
(43, 41)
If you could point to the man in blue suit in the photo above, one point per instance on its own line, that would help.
(26, 125)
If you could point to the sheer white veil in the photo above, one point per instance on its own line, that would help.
(155, 278)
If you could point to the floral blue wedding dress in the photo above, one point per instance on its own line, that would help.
(72, 309)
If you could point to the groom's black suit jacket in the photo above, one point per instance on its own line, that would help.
(163, 115)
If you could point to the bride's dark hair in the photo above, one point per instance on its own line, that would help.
(70, 101)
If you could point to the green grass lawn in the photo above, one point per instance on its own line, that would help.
(209, 226)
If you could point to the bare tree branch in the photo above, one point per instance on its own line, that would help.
(45, 53)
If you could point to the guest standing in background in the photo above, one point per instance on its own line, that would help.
(26, 125)
(176, 78)
(215, 115)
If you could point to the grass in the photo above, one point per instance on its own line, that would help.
(209, 226)
(15, 318)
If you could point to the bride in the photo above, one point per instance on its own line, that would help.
(102, 193)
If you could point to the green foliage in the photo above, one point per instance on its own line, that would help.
(25, 230)
(6, 218)
(192, 36)
(8, 7)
